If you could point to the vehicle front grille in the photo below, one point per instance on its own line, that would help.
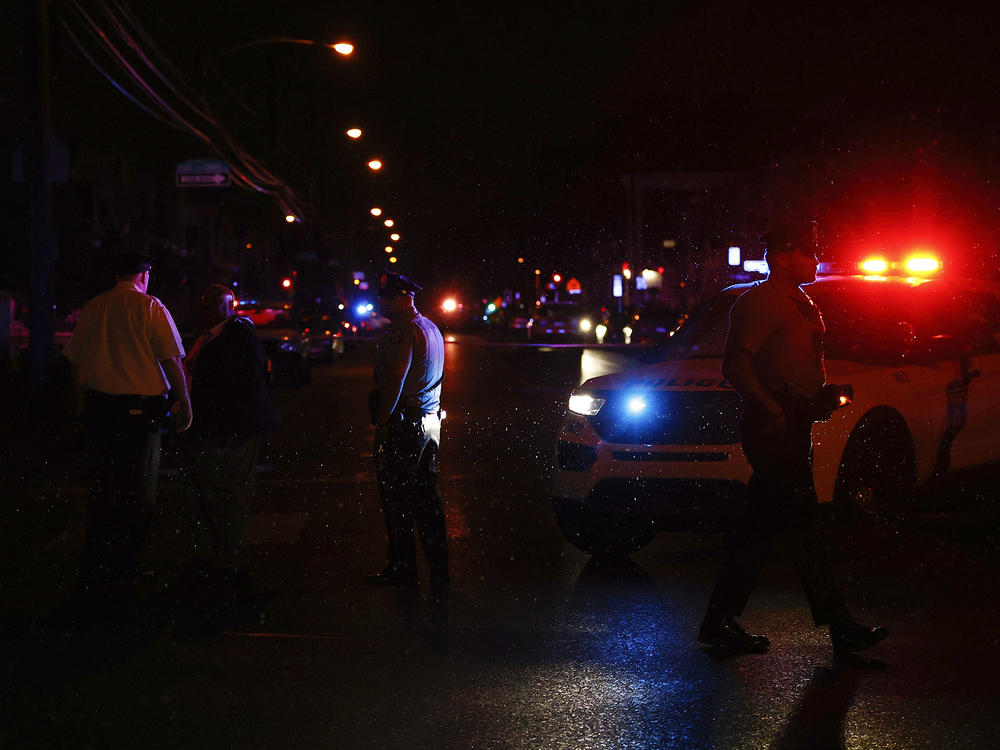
(670, 418)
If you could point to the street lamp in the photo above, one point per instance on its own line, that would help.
(354, 133)
(375, 211)
(389, 222)
(394, 237)
(374, 165)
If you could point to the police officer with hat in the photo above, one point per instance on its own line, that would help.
(406, 411)
(126, 361)
(774, 360)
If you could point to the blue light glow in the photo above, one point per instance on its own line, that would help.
(636, 405)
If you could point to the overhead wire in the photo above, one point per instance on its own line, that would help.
(245, 169)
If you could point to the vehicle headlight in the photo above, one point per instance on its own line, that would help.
(585, 325)
(585, 404)
(288, 346)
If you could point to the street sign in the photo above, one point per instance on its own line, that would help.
(202, 173)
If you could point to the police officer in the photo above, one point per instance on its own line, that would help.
(405, 409)
(125, 354)
(774, 360)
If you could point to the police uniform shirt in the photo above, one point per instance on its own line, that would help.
(410, 359)
(119, 340)
(780, 326)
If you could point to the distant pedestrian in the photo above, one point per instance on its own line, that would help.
(227, 371)
(406, 412)
(774, 360)
(125, 355)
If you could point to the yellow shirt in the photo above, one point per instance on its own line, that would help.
(119, 340)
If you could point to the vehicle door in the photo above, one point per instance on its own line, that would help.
(973, 392)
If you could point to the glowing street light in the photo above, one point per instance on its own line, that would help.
(393, 259)
(388, 248)
(342, 48)
(375, 165)
(291, 218)
(376, 211)
(389, 222)
(394, 237)
(354, 133)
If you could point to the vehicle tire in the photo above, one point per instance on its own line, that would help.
(877, 472)
(599, 534)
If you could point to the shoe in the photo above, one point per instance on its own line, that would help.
(725, 631)
(390, 576)
(851, 636)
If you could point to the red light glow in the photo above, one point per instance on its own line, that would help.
(922, 264)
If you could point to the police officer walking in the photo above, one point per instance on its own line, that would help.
(774, 360)
(125, 354)
(405, 409)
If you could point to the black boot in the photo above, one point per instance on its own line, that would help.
(725, 631)
(848, 635)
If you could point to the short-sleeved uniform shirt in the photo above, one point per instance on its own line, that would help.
(408, 361)
(119, 340)
(781, 327)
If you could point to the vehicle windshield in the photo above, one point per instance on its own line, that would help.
(703, 336)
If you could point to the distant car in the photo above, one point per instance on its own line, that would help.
(326, 336)
(654, 323)
(555, 320)
(518, 319)
(659, 445)
(284, 339)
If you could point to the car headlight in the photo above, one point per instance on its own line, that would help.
(585, 325)
(585, 404)
(288, 346)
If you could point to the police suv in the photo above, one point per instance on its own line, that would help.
(659, 446)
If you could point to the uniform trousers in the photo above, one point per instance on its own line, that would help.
(406, 470)
(781, 508)
(122, 447)
(222, 469)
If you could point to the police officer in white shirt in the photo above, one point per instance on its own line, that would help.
(126, 358)
(406, 412)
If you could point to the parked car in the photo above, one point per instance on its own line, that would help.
(659, 445)
(326, 336)
(555, 320)
(283, 338)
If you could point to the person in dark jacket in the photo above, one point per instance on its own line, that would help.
(227, 370)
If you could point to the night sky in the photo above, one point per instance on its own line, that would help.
(506, 127)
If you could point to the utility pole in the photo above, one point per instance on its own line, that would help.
(41, 234)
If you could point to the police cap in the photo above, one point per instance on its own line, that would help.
(390, 284)
(788, 238)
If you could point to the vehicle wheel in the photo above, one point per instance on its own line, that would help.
(878, 470)
(597, 534)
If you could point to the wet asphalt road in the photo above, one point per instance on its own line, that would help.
(537, 645)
